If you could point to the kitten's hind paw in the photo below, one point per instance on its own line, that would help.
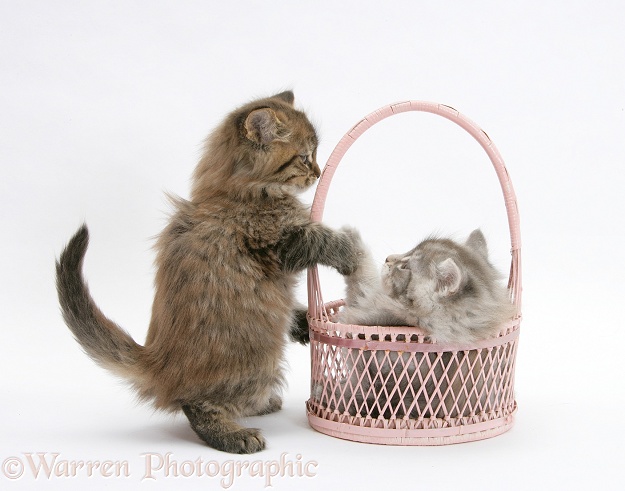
(274, 405)
(221, 432)
(246, 440)
(249, 440)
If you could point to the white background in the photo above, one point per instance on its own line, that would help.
(104, 106)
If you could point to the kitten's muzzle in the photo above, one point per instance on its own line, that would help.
(393, 258)
(316, 170)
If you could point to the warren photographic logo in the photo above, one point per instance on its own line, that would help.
(156, 466)
(49, 465)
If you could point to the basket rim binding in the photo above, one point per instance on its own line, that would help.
(317, 309)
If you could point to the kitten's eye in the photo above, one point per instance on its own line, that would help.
(305, 158)
(403, 264)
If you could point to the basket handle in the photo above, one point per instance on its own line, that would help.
(316, 306)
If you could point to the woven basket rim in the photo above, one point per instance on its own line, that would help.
(327, 326)
(333, 333)
(386, 436)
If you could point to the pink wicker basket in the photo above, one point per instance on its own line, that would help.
(428, 393)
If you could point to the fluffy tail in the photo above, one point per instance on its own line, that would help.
(103, 340)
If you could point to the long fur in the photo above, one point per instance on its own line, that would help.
(103, 340)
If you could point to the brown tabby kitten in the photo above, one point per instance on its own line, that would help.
(226, 270)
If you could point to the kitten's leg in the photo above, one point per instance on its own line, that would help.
(219, 431)
(305, 246)
(366, 278)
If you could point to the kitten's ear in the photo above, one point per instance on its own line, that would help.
(449, 277)
(286, 96)
(477, 242)
(262, 126)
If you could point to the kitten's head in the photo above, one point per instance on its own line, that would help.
(264, 146)
(439, 271)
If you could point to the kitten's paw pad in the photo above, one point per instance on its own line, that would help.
(247, 440)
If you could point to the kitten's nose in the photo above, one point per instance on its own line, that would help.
(316, 170)
(392, 258)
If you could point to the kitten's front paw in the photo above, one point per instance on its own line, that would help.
(349, 269)
(354, 237)
(356, 251)
(299, 327)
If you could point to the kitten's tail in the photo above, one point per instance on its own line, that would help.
(103, 340)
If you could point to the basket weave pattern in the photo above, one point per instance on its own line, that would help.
(393, 385)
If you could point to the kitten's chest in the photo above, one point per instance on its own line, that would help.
(260, 230)
(264, 227)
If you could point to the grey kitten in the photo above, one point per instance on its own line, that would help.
(226, 268)
(448, 289)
